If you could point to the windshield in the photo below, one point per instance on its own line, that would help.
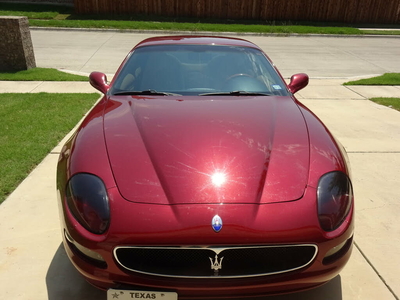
(198, 70)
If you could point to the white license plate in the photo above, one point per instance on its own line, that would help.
(113, 294)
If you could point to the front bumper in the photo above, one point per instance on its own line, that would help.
(289, 223)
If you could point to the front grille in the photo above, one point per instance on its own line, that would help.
(215, 262)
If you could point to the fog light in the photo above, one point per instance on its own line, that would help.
(85, 251)
(337, 252)
(335, 249)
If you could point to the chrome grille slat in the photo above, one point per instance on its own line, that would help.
(195, 262)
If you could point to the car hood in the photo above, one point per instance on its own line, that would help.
(183, 150)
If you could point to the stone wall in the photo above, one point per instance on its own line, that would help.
(16, 50)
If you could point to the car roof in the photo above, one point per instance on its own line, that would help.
(195, 40)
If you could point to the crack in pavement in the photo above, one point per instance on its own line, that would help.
(376, 271)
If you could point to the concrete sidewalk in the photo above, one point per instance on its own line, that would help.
(46, 86)
(33, 264)
(319, 88)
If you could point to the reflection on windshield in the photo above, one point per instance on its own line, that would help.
(198, 69)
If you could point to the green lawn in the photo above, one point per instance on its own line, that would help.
(385, 79)
(41, 74)
(381, 32)
(389, 102)
(61, 16)
(34, 11)
(32, 125)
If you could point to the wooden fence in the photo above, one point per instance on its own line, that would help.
(344, 11)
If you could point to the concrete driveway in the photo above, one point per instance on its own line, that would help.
(33, 264)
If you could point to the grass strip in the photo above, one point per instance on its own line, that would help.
(385, 79)
(389, 102)
(178, 26)
(41, 74)
(34, 11)
(32, 125)
(381, 32)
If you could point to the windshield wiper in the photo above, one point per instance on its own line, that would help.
(235, 93)
(146, 92)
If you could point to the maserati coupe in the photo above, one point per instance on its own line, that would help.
(198, 174)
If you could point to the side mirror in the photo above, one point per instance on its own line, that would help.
(99, 81)
(298, 82)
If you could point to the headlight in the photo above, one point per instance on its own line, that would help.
(88, 202)
(335, 197)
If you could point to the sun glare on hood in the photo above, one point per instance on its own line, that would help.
(218, 179)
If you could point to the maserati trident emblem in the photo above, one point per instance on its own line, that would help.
(215, 265)
(216, 223)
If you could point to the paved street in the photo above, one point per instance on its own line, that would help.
(33, 264)
(317, 56)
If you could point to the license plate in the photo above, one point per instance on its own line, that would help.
(113, 294)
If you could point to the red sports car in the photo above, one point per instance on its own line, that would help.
(199, 175)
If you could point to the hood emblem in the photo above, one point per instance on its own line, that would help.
(216, 223)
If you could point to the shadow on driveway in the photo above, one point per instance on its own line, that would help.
(65, 283)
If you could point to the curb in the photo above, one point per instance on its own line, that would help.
(212, 33)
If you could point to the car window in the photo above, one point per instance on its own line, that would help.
(198, 69)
